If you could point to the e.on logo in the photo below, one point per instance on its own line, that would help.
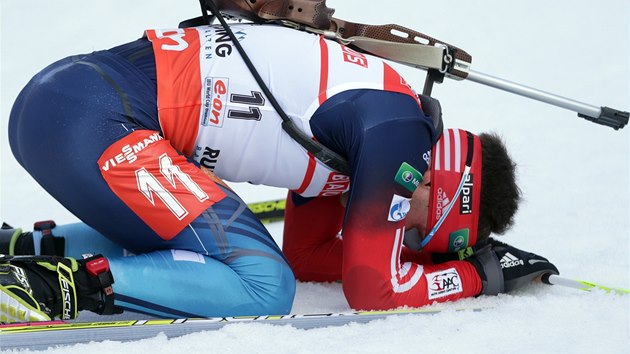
(215, 98)
(351, 56)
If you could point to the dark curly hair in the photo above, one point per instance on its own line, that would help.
(500, 195)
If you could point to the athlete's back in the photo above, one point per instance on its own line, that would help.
(212, 109)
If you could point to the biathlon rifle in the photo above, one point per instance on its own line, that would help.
(398, 44)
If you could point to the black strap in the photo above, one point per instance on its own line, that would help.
(471, 148)
(319, 151)
(489, 269)
(98, 268)
(50, 245)
(433, 108)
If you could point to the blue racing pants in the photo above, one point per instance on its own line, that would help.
(222, 263)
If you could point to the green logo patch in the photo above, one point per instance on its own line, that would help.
(408, 177)
(458, 240)
(465, 253)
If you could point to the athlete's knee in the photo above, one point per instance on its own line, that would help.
(284, 293)
(276, 290)
(296, 258)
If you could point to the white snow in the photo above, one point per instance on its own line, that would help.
(573, 173)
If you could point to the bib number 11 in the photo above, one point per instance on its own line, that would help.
(149, 186)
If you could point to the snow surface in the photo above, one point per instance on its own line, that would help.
(573, 173)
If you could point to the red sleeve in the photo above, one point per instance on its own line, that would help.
(310, 242)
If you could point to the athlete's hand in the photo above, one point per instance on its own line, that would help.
(504, 268)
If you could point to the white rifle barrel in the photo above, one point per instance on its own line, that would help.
(559, 101)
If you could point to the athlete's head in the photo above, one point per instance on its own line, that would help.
(468, 193)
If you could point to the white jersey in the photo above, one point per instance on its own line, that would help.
(211, 108)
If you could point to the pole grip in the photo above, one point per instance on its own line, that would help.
(553, 279)
(609, 117)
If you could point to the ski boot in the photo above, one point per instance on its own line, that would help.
(41, 288)
(11, 238)
(13, 241)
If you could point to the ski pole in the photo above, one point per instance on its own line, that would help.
(601, 115)
(553, 279)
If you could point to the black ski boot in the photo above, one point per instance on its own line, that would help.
(41, 288)
(14, 241)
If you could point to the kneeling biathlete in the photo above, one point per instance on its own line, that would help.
(136, 140)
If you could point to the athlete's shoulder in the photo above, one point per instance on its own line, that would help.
(272, 34)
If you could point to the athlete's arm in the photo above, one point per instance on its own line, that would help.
(311, 243)
(379, 133)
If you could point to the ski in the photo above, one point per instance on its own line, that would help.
(269, 211)
(42, 335)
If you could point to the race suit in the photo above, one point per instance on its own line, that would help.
(119, 137)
